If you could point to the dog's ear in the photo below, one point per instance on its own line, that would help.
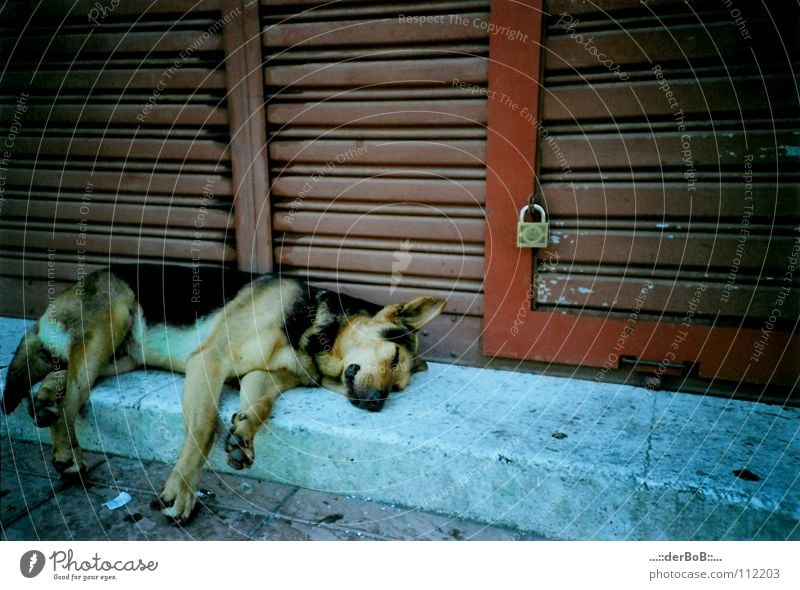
(415, 314)
(419, 365)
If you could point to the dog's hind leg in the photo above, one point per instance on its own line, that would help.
(46, 406)
(259, 390)
(87, 358)
(117, 367)
(205, 375)
(31, 363)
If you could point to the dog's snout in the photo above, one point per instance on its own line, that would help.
(351, 370)
(373, 402)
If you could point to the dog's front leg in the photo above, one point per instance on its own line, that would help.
(259, 391)
(205, 376)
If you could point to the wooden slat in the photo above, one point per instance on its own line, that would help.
(117, 114)
(420, 264)
(103, 229)
(404, 7)
(669, 248)
(665, 149)
(433, 72)
(32, 268)
(454, 173)
(389, 244)
(385, 189)
(370, 93)
(555, 7)
(383, 133)
(671, 200)
(668, 296)
(648, 46)
(384, 226)
(637, 99)
(400, 210)
(447, 153)
(129, 148)
(66, 266)
(181, 78)
(134, 246)
(68, 45)
(435, 28)
(416, 51)
(395, 113)
(343, 277)
(136, 215)
(130, 182)
(81, 8)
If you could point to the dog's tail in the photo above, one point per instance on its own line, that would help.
(31, 364)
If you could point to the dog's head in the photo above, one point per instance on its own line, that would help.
(378, 354)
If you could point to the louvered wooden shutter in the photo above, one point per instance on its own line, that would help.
(682, 176)
(376, 123)
(666, 139)
(117, 118)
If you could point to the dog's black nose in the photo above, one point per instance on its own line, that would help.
(351, 370)
(373, 402)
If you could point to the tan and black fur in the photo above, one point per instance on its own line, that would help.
(270, 333)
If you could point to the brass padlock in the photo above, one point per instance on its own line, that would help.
(532, 234)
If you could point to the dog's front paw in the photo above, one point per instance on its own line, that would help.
(177, 501)
(239, 444)
(240, 451)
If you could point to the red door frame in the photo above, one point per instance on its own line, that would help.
(511, 329)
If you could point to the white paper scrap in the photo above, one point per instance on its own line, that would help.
(119, 501)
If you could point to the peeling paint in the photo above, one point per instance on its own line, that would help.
(791, 151)
(584, 290)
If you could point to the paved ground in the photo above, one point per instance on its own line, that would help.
(34, 504)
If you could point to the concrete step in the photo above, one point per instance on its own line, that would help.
(566, 459)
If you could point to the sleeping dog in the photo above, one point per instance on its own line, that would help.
(270, 333)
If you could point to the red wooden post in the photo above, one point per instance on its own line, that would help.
(245, 87)
(514, 73)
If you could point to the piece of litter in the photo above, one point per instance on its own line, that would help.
(119, 501)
